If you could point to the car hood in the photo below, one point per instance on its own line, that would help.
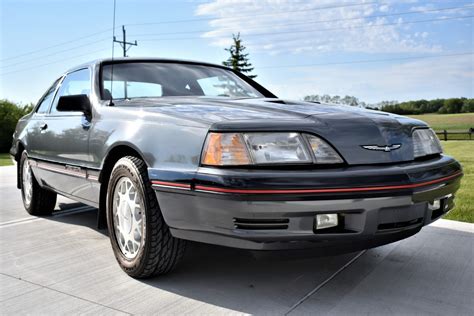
(347, 128)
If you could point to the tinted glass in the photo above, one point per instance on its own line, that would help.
(47, 98)
(134, 89)
(77, 82)
(154, 79)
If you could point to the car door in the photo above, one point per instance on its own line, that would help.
(35, 138)
(64, 141)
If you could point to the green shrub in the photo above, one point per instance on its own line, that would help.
(10, 113)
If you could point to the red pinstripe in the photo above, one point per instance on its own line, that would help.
(299, 191)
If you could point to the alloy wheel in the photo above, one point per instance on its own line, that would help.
(128, 218)
(27, 182)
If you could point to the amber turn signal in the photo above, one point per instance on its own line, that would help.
(225, 149)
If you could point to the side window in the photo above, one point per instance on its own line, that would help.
(77, 82)
(45, 102)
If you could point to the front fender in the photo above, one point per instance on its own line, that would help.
(162, 141)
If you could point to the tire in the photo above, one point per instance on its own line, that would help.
(36, 200)
(141, 240)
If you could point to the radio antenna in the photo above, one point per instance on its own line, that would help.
(111, 103)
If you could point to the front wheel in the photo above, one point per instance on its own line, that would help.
(141, 240)
(36, 200)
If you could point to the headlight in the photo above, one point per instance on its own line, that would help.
(227, 149)
(425, 142)
(277, 148)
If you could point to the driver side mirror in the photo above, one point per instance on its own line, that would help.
(75, 103)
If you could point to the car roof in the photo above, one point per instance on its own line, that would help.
(142, 59)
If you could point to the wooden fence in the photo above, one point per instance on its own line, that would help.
(447, 135)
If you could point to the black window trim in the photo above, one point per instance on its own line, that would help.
(56, 83)
(64, 76)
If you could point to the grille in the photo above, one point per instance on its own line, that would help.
(261, 223)
(398, 225)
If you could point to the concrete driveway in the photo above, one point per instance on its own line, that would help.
(62, 264)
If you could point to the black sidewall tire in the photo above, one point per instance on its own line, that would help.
(160, 251)
(27, 206)
(43, 200)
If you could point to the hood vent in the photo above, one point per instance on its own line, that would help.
(261, 223)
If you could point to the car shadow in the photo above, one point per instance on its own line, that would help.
(236, 279)
(76, 214)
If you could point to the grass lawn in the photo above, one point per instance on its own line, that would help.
(463, 151)
(450, 122)
(5, 160)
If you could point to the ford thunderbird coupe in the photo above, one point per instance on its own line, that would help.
(172, 150)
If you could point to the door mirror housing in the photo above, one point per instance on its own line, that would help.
(75, 103)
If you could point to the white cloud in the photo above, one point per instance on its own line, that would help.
(299, 26)
(384, 8)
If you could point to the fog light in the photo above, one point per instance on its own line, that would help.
(436, 205)
(326, 221)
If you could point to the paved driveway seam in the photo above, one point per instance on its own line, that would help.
(322, 284)
(58, 291)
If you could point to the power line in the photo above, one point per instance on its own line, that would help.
(287, 66)
(55, 53)
(318, 21)
(256, 34)
(364, 61)
(54, 62)
(261, 14)
(201, 31)
(179, 21)
(165, 22)
(238, 16)
(318, 30)
(56, 45)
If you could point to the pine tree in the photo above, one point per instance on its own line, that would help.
(238, 60)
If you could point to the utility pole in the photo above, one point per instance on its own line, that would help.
(124, 42)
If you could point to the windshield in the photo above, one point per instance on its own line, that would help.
(155, 79)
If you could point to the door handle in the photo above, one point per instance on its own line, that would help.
(43, 126)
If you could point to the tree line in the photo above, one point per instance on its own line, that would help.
(441, 106)
(326, 98)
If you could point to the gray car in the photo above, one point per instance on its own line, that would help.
(171, 150)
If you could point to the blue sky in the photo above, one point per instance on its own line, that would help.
(297, 47)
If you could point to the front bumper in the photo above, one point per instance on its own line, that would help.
(267, 210)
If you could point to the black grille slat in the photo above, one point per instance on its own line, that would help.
(261, 223)
(398, 225)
